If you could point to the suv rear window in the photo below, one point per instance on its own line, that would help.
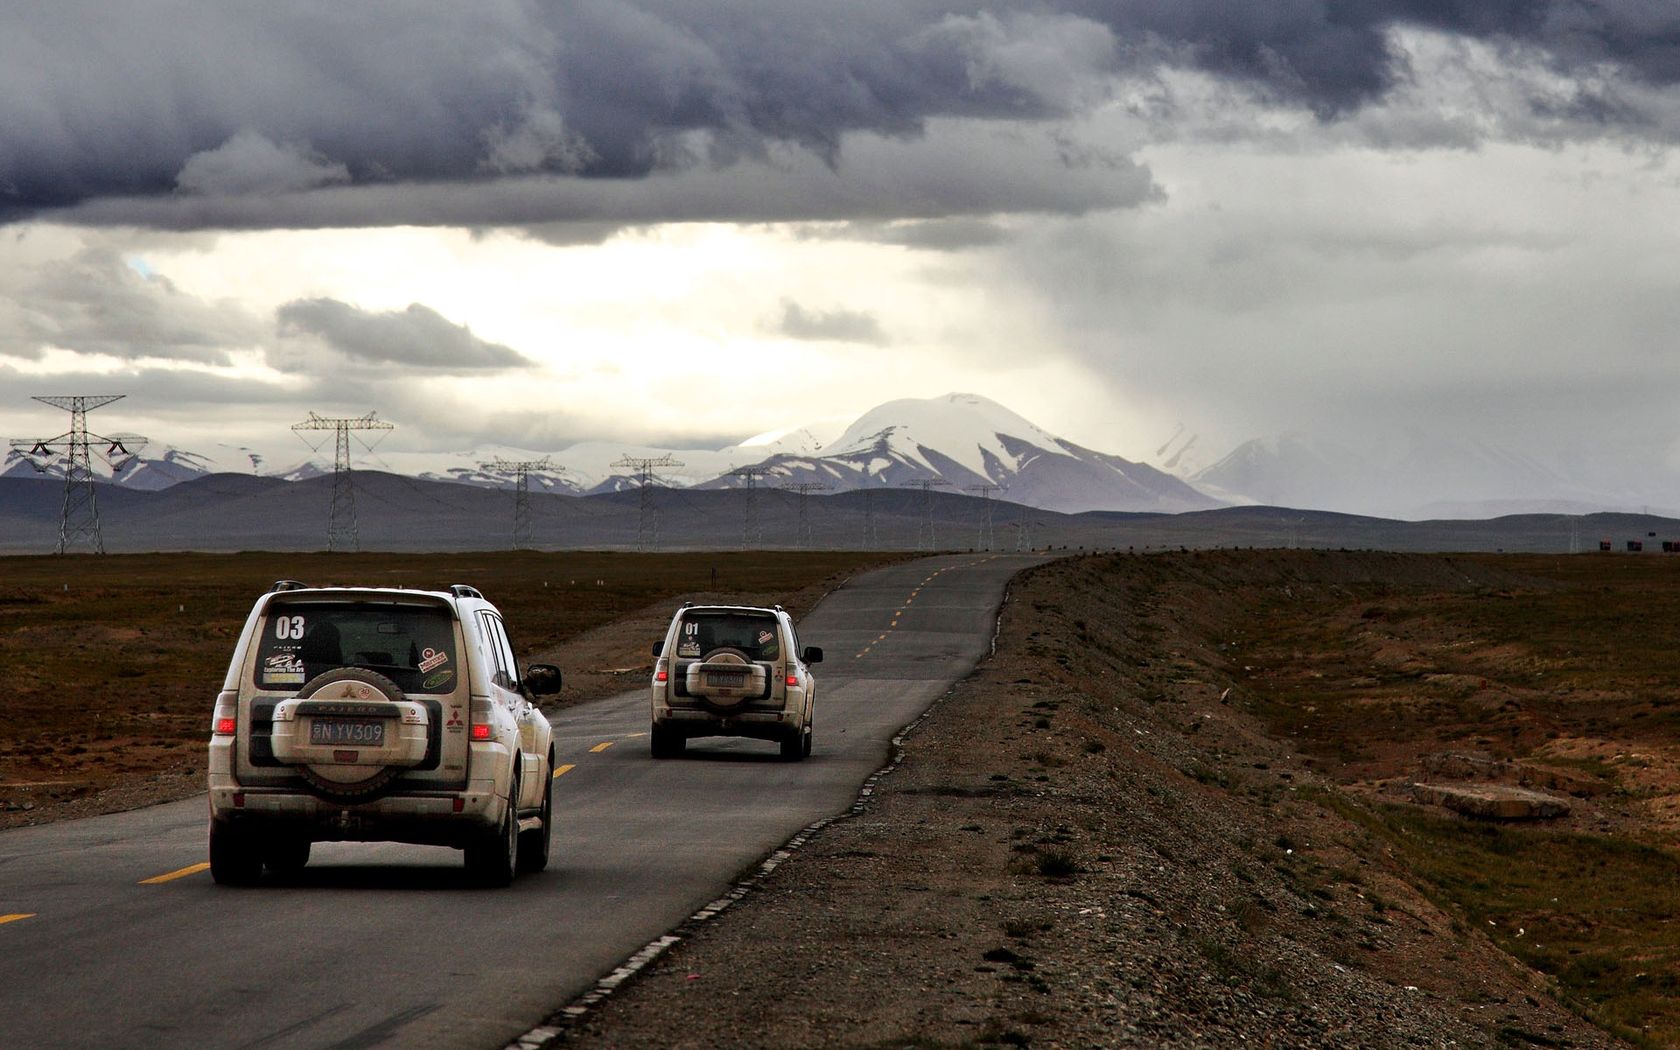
(755, 635)
(412, 645)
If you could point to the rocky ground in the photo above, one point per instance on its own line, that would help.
(1091, 843)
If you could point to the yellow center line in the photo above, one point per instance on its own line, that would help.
(560, 771)
(17, 916)
(179, 873)
(598, 748)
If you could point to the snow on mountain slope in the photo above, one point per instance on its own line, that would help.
(969, 442)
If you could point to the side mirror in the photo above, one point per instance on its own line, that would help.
(658, 647)
(812, 655)
(542, 679)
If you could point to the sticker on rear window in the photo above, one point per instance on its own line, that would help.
(688, 648)
(437, 678)
(432, 658)
(282, 668)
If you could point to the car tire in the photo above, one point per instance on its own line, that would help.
(806, 747)
(494, 858)
(533, 845)
(666, 743)
(793, 746)
(286, 857)
(234, 860)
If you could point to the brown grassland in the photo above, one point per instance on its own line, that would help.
(1567, 674)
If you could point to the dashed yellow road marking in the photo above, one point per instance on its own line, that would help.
(602, 746)
(179, 873)
(16, 916)
(560, 771)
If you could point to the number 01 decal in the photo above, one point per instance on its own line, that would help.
(288, 627)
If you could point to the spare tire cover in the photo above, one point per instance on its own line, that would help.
(722, 701)
(346, 783)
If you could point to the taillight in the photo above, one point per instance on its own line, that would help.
(661, 676)
(225, 727)
(793, 679)
(480, 731)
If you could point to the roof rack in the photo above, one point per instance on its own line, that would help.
(461, 590)
(288, 585)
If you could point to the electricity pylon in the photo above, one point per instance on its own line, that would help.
(74, 451)
(805, 488)
(924, 533)
(521, 471)
(647, 525)
(342, 533)
(752, 534)
(986, 490)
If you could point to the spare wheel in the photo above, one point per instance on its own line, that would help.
(725, 679)
(350, 732)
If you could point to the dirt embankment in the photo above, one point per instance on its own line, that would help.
(1096, 841)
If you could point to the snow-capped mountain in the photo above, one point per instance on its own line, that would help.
(968, 442)
(961, 442)
(1417, 474)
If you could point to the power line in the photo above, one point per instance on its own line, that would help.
(78, 521)
(805, 488)
(521, 471)
(647, 524)
(342, 532)
(924, 533)
(986, 490)
(752, 534)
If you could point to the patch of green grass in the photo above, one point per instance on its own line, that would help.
(1595, 912)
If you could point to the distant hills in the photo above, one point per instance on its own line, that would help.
(228, 512)
(960, 442)
(966, 444)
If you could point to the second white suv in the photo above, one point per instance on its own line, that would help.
(733, 670)
(379, 714)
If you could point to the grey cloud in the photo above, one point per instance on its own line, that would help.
(220, 108)
(97, 302)
(417, 337)
(847, 326)
(249, 163)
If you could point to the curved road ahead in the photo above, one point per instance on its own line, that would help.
(112, 934)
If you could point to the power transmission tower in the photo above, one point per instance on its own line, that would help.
(74, 450)
(521, 471)
(752, 534)
(924, 533)
(805, 488)
(1023, 534)
(342, 533)
(647, 525)
(986, 490)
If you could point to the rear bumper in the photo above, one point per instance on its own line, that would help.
(425, 817)
(759, 725)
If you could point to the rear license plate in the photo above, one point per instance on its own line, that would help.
(345, 731)
(725, 680)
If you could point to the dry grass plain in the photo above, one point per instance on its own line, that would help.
(113, 661)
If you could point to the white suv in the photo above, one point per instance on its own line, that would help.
(732, 670)
(379, 715)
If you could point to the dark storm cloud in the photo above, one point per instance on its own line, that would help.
(416, 338)
(196, 100)
(846, 326)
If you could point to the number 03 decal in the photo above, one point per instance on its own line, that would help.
(288, 627)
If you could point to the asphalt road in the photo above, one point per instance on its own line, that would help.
(112, 934)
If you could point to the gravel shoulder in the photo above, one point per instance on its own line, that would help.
(1087, 844)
